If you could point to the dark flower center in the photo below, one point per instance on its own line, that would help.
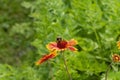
(62, 44)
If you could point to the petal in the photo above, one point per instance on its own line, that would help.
(52, 46)
(72, 42)
(46, 57)
(118, 44)
(72, 48)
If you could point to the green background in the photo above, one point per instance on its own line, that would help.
(26, 26)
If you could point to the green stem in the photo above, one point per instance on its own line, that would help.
(106, 73)
(97, 37)
(66, 67)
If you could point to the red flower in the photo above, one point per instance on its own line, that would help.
(116, 58)
(60, 45)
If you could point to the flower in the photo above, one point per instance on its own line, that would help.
(118, 44)
(116, 58)
(59, 45)
(46, 57)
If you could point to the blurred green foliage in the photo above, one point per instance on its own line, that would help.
(27, 26)
(15, 32)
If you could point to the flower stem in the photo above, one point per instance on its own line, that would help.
(106, 73)
(66, 67)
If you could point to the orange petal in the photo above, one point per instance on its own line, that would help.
(46, 57)
(72, 42)
(52, 46)
(118, 44)
(72, 48)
